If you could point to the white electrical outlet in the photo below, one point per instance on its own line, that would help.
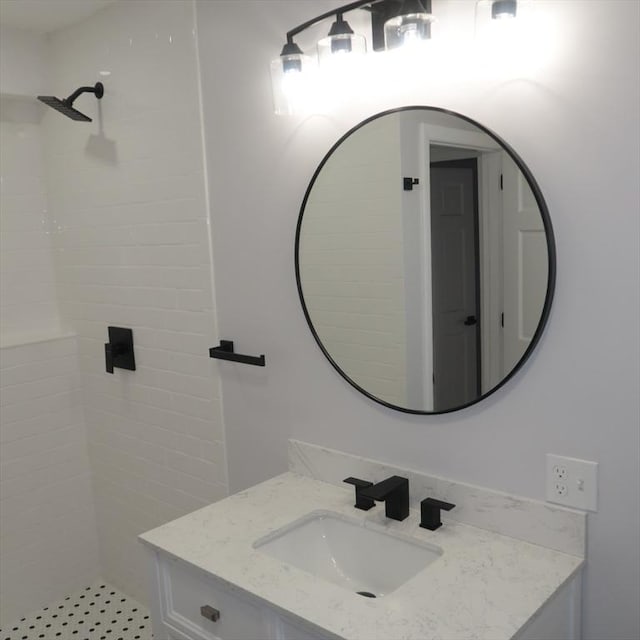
(572, 482)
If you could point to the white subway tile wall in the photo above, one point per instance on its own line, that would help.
(48, 539)
(27, 279)
(353, 223)
(128, 194)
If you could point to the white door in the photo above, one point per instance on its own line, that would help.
(526, 267)
(454, 264)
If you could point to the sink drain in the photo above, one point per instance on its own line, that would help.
(366, 594)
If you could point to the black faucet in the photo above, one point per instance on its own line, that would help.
(395, 493)
(430, 513)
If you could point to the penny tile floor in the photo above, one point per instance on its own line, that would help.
(97, 612)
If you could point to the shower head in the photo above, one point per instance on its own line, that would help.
(65, 106)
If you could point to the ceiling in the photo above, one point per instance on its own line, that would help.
(46, 15)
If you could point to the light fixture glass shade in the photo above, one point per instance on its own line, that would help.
(289, 80)
(501, 9)
(339, 46)
(407, 30)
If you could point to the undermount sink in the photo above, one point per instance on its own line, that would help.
(359, 557)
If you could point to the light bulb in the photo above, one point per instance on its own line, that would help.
(411, 27)
(288, 78)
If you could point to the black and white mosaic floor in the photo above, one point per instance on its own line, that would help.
(98, 612)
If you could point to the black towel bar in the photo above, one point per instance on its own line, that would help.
(225, 352)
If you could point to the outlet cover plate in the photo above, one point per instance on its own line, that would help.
(572, 482)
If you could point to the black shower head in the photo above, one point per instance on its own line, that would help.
(66, 106)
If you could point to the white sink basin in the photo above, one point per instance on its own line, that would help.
(362, 558)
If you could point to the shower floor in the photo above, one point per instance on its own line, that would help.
(97, 612)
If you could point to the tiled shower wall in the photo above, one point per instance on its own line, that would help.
(48, 543)
(48, 539)
(27, 279)
(127, 192)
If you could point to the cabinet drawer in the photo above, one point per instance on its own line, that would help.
(184, 594)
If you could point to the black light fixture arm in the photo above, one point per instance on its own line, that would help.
(329, 14)
(388, 8)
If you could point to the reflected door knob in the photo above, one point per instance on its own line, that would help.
(470, 321)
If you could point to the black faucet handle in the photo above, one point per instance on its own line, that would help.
(361, 501)
(118, 352)
(430, 512)
(108, 357)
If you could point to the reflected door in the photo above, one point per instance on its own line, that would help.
(526, 269)
(454, 251)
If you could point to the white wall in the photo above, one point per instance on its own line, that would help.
(27, 281)
(574, 122)
(23, 62)
(132, 249)
(48, 539)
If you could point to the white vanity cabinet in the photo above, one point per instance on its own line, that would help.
(188, 604)
(211, 580)
(559, 617)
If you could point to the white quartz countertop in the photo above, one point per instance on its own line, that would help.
(484, 585)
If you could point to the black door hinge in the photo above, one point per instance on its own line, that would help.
(501, 182)
(502, 319)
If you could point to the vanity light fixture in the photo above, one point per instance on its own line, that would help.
(299, 81)
(394, 24)
(501, 9)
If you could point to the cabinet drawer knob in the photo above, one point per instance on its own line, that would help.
(210, 613)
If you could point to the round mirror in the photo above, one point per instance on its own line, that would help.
(425, 259)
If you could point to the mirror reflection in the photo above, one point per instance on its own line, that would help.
(425, 260)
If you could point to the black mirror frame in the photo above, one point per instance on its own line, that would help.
(551, 249)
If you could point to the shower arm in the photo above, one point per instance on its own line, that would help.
(98, 90)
